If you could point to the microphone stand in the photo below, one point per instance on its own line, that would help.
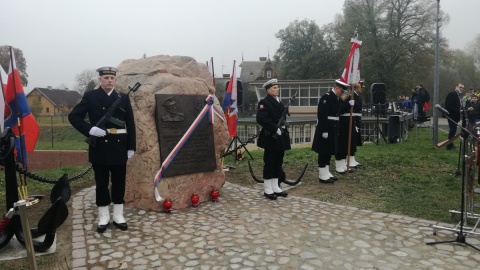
(461, 236)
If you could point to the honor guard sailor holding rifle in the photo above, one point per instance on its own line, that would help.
(113, 145)
(273, 138)
(326, 133)
(348, 102)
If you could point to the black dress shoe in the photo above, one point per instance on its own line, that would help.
(333, 178)
(329, 181)
(340, 172)
(281, 194)
(270, 196)
(102, 228)
(121, 226)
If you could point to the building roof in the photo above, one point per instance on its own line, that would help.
(60, 97)
(251, 70)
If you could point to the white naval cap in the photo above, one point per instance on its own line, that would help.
(341, 84)
(107, 70)
(270, 83)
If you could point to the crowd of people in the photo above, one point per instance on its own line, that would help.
(418, 103)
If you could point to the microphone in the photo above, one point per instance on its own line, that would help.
(440, 108)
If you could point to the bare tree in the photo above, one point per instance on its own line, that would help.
(21, 63)
(473, 50)
(85, 80)
(398, 40)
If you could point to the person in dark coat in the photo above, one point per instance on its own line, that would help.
(113, 145)
(356, 124)
(274, 138)
(421, 99)
(326, 133)
(453, 105)
(346, 102)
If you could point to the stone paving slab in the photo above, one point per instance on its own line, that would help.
(246, 231)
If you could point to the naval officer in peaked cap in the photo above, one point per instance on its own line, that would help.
(115, 144)
(273, 138)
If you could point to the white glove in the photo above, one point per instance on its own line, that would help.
(325, 135)
(279, 132)
(351, 102)
(130, 154)
(97, 132)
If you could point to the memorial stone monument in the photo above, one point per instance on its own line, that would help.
(173, 92)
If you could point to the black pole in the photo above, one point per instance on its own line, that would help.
(51, 121)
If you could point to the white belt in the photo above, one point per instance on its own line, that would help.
(353, 114)
(116, 131)
(334, 118)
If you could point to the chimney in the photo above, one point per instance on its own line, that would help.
(49, 87)
(263, 58)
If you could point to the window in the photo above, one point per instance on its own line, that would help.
(47, 109)
(269, 73)
(40, 98)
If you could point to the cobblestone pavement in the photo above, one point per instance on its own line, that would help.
(246, 231)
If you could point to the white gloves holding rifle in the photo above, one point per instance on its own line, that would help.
(351, 102)
(97, 132)
(130, 154)
(279, 132)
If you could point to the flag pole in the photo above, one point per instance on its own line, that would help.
(349, 145)
(23, 183)
(3, 95)
(213, 78)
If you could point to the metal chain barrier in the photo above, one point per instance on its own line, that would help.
(50, 180)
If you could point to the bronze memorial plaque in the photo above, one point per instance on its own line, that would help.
(174, 116)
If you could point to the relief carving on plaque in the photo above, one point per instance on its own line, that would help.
(171, 108)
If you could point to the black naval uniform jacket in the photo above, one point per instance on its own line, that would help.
(344, 125)
(269, 112)
(111, 149)
(328, 106)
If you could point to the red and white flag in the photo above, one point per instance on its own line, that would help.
(351, 73)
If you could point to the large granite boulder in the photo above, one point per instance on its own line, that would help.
(177, 75)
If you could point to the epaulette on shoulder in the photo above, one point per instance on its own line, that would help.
(328, 93)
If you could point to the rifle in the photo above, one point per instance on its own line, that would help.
(108, 116)
(283, 119)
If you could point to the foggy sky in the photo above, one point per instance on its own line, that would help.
(61, 38)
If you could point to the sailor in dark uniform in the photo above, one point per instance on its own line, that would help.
(273, 138)
(356, 125)
(114, 145)
(346, 102)
(326, 133)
